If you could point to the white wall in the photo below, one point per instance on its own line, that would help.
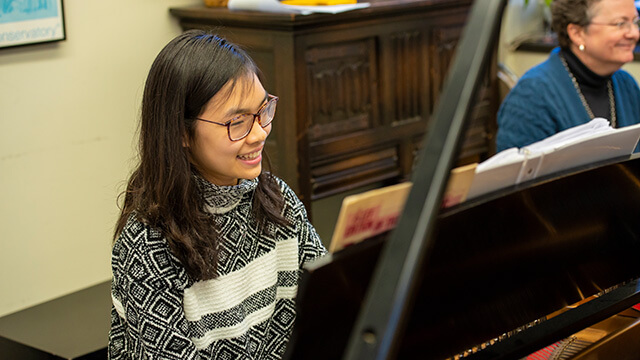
(68, 113)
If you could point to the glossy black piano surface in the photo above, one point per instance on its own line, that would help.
(498, 263)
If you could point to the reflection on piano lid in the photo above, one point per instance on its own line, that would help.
(498, 265)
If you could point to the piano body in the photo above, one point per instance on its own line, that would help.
(539, 266)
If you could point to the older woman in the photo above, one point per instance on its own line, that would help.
(581, 79)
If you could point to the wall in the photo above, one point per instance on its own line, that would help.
(68, 114)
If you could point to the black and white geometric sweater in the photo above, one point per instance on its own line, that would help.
(246, 312)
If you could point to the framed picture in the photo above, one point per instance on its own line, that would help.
(24, 22)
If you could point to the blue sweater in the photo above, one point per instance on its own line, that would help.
(544, 102)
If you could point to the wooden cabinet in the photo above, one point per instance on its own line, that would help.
(356, 89)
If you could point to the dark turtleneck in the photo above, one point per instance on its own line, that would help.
(593, 86)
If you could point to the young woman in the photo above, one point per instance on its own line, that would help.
(208, 246)
(582, 78)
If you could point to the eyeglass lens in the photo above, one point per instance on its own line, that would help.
(628, 25)
(241, 126)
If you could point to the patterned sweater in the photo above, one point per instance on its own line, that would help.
(246, 312)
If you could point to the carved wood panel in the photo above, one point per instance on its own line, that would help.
(342, 96)
(407, 64)
(331, 176)
(442, 49)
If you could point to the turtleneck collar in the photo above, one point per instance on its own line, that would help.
(221, 199)
(582, 73)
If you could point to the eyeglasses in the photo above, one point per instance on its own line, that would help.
(625, 25)
(240, 126)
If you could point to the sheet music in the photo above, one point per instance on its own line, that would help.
(581, 145)
(275, 6)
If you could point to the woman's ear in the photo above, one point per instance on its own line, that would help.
(576, 34)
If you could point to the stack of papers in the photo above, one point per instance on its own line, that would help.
(275, 6)
(581, 145)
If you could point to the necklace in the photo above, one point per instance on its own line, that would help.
(612, 101)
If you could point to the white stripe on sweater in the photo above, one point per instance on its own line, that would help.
(250, 320)
(225, 292)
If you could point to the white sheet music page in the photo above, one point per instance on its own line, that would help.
(578, 146)
(275, 6)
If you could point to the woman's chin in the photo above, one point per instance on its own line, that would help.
(253, 173)
(626, 54)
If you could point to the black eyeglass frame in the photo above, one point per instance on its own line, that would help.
(258, 115)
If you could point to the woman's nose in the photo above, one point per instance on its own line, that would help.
(258, 133)
(634, 33)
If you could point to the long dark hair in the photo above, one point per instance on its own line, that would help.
(162, 191)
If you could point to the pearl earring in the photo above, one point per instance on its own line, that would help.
(581, 47)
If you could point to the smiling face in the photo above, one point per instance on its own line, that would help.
(606, 47)
(221, 161)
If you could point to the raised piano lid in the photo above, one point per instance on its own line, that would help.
(497, 263)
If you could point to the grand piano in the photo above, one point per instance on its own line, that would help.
(540, 270)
